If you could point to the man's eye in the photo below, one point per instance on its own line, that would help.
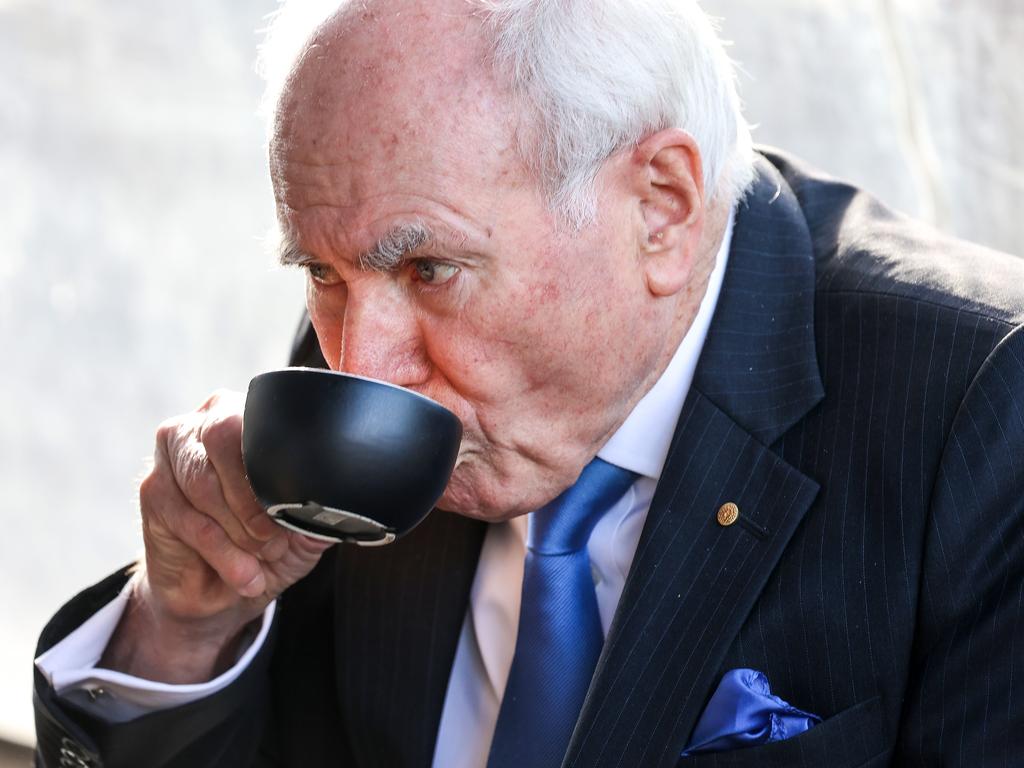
(434, 272)
(323, 274)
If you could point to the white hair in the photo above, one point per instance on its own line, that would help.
(286, 35)
(597, 76)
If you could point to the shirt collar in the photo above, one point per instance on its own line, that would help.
(641, 444)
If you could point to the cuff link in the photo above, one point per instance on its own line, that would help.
(73, 755)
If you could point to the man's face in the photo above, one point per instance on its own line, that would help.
(539, 338)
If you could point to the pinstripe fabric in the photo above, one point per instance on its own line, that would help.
(894, 611)
(397, 617)
(364, 650)
(860, 397)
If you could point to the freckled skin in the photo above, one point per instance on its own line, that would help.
(545, 338)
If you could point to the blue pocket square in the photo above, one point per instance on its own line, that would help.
(743, 712)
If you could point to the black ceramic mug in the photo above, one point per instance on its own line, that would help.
(346, 458)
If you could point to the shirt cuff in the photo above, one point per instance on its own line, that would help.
(70, 666)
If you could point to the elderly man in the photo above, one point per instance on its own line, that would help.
(783, 424)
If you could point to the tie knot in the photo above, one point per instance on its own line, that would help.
(565, 524)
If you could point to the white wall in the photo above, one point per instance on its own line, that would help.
(920, 101)
(133, 199)
(133, 279)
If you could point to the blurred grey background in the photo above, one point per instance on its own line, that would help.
(134, 201)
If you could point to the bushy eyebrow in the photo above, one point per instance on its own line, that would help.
(395, 246)
(386, 255)
(289, 254)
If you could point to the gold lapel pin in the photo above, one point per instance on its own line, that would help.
(728, 514)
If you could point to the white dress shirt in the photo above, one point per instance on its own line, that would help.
(487, 641)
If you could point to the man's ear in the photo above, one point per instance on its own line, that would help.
(669, 184)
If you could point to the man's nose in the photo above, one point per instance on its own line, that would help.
(381, 338)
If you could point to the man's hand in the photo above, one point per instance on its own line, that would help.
(214, 559)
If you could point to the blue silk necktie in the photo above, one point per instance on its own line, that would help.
(560, 633)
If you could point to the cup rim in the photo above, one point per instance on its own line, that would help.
(345, 374)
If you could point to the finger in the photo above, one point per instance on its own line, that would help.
(308, 545)
(301, 555)
(198, 481)
(185, 548)
(222, 438)
(223, 399)
(239, 569)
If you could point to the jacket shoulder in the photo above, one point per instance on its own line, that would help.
(863, 247)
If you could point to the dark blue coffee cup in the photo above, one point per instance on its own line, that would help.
(346, 458)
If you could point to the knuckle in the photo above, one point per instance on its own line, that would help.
(223, 433)
(150, 485)
(173, 434)
(166, 431)
(211, 401)
(156, 488)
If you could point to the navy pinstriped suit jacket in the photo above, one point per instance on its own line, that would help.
(860, 397)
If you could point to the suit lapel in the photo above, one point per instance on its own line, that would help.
(693, 579)
(398, 613)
